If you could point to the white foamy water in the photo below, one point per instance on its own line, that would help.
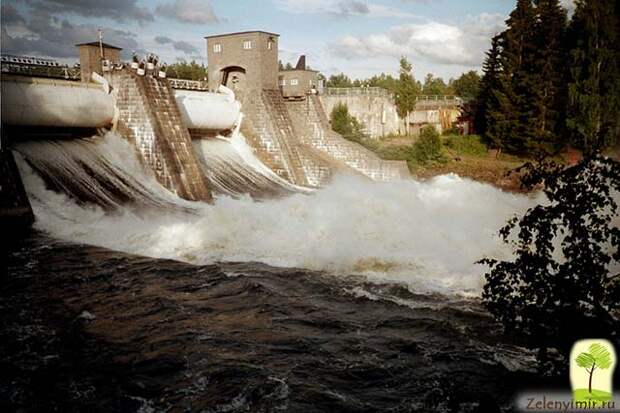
(427, 235)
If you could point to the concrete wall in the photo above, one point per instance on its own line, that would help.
(306, 80)
(269, 129)
(150, 118)
(260, 62)
(313, 129)
(377, 113)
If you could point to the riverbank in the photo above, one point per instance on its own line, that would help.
(466, 156)
(89, 329)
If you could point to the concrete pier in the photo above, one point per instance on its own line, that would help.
(149, 116)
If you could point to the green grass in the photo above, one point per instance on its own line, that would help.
(470, 145)
(596, 397)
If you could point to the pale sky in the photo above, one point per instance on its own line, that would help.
(357, 37)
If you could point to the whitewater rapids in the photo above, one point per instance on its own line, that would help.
(427, 235)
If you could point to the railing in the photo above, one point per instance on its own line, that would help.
(438, 100)
(355, 91)
(56, 72)
(189, 84)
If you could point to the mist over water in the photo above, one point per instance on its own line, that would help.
(424, 234)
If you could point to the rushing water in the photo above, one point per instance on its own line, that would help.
(360, 296)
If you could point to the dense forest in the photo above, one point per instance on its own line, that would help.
(548, 82)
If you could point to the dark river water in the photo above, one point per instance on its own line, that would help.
(89, 329)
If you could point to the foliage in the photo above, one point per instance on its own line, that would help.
(594, 81)
(384, 81)
(346, 124)
(470, 145)
(435, 86)
(282, 66)
(190, 71)
(529, 102)
(559, 287)
(428, 147)
(340, 80)
(407, 90)
(510, 119)
(548, 83)
(467, 85)
(484, 121)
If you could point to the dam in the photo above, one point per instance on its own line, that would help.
(179, 127)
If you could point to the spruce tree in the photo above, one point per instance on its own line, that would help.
(486, 97)
(594, 85)
(547, 77)
(513, 117)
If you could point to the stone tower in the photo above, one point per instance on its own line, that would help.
(243, 61)
(91, 55)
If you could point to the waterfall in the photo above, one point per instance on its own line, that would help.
(427, 235)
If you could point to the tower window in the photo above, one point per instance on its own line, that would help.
(269, 45)
(282, 82)
(247, 44)
(294, 82)
(217, 48)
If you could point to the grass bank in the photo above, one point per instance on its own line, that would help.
(466, 156)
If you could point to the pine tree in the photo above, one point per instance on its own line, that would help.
(486, 97)
(547, 74)
(594, 85)
(513, 117)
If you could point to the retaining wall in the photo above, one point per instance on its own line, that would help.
(313, 129)
(376, 113)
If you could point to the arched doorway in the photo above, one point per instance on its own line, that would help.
(233, 77)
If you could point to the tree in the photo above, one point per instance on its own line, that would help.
(345, 124)
(560, 285)
(509, 117)
(547, 73)
(340, 80)
(594, 83)
(435, 86)
(428, 147)
(467, 85)
(487, 99)
(597, 357)
(190, 71)
(406, 92)
(384, 81)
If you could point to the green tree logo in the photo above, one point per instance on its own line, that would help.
(597, 357)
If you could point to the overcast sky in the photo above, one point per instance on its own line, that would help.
(357, 37)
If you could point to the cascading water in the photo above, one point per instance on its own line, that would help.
(233, 169)
(427, 235)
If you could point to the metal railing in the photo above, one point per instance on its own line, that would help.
(55, 72)
(189, 84)
(355, 91)
(437, 98)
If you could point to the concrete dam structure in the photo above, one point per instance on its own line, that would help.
(186, 138)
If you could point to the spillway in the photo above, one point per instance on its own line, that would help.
(30, 101)
(390, 232)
